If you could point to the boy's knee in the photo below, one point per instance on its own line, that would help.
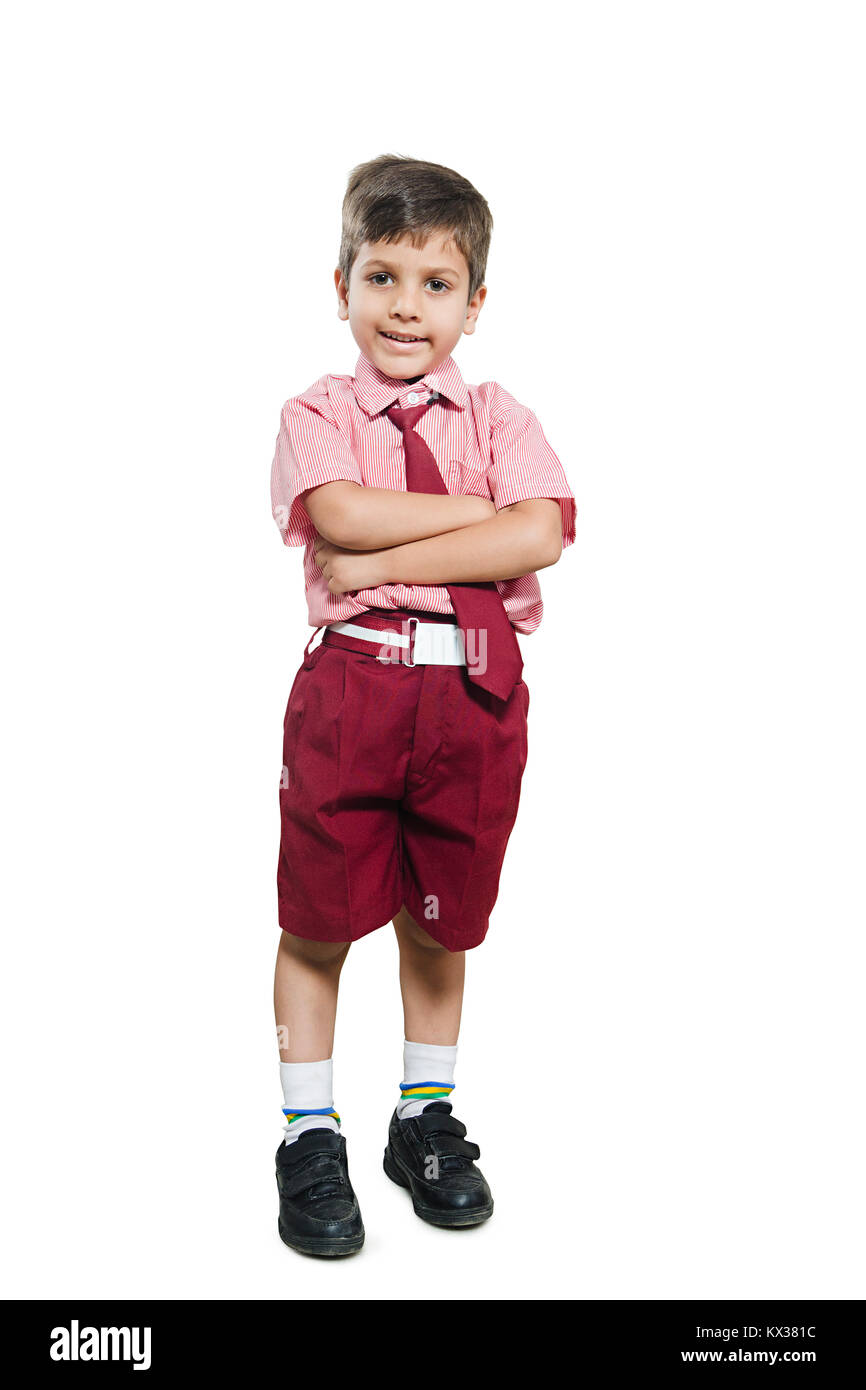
(313, 952)
(406, 927)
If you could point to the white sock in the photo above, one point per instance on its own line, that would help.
(308, 1087)
(428, 1075)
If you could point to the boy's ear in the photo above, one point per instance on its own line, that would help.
(342, 294)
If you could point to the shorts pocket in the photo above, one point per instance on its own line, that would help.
(314, 657)
(306, 665)
(291, 693)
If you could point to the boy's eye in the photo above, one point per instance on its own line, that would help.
(383, 275)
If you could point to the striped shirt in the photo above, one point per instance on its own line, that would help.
(484, 442)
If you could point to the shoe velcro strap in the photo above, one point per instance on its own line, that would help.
(321, 1168)
(449, 1146)
(326, 1142)
(439, 1124)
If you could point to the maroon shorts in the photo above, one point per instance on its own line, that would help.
(400, 784)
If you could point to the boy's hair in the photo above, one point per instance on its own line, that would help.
(393, 195)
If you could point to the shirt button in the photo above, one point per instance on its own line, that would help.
(413, 398)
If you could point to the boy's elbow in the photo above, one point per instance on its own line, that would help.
(550, 551)
(548, 543)
(339, 523)
(333, 510)
(553, 531)
(542, 518)
(349, 523)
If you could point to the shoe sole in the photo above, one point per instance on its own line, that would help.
(433, 1217)
(328, 1249)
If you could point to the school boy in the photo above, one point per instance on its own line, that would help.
(425, 507)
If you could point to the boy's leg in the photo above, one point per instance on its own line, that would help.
(427, 1151)
(319, 1212)
(306, 981)
(431, 983)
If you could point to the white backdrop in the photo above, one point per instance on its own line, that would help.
(667, 1012)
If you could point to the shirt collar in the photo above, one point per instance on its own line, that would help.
(376, 392)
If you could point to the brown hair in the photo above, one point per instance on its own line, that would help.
(393, 195)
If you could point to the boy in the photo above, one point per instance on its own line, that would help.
(418, 499)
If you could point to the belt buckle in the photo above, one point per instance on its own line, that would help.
(408, 649)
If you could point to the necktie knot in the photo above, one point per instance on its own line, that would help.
(406, 419)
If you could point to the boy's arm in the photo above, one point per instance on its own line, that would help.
(316, 485)
(365, 518)
(519, 539)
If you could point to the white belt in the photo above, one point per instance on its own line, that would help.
(435, 644)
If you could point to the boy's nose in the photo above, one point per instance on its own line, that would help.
(405, 304)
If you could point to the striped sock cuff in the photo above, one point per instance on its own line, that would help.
(426, 1090)
(297, 1114)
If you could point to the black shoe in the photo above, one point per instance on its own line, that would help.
(319, 1213)
(430, 1155)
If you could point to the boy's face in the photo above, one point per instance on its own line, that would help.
(396, 289)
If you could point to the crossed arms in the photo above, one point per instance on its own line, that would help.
(371, 535)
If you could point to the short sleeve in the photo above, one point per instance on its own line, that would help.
(522, 463)
(310, 450)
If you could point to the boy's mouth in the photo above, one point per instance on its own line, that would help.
(401, 344)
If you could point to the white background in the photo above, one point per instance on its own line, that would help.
(662, 1051)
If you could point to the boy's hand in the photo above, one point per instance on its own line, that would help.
(347, 570)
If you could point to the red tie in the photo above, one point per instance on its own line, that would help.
(476, 606)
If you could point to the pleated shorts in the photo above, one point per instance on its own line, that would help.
(400, 785)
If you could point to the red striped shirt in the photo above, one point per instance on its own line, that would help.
(485, 443)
